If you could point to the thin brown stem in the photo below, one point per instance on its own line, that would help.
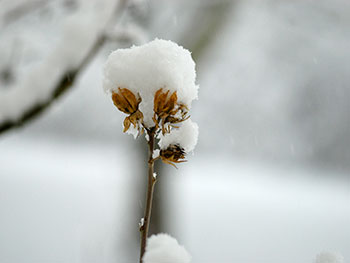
(149, 197)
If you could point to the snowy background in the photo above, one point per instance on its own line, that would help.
(269, 181)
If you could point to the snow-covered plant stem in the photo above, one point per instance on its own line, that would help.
(144, 227)
(154, 85)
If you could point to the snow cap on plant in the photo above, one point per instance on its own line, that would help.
(164, 248)
(154, 84)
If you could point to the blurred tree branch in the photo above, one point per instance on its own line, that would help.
(208, 21)
(65, 82)
(22, 9)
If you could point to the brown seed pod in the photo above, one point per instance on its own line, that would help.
(166, 109)
(127, 102)
(173, 154)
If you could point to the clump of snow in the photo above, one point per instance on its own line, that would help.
(147, 68)
(163, 248)
(155, 153)
(186, 136)
(133, 131)
(329, 257)
(142, 222)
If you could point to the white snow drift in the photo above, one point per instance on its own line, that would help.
(163, 248)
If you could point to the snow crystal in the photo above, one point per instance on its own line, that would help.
(155, 154)
(328, 257)
(164, 248)
(133, 131)
(145, 69)
(186, 136)
(142, 222)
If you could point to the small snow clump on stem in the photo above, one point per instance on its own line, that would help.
(186, 137)
(164, 248)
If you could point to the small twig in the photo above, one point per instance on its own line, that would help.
(150, 189)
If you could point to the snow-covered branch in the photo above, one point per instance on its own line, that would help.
(83, 35)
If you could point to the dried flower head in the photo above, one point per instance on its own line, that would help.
(167, 111)
(158, 106)
(173, 154)
(127, 102)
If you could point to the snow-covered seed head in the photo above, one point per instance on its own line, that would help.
(154, 84)
(143, 70)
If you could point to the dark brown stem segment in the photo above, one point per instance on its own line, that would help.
(149, 197)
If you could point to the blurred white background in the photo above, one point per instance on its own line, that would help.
(269, 181)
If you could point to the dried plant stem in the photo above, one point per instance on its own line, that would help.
(149, 197)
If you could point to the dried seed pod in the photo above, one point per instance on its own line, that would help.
(167, 111)
(128, 103)
(173, 154)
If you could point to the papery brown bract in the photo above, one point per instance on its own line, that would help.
(166, 108)
(127, 102)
